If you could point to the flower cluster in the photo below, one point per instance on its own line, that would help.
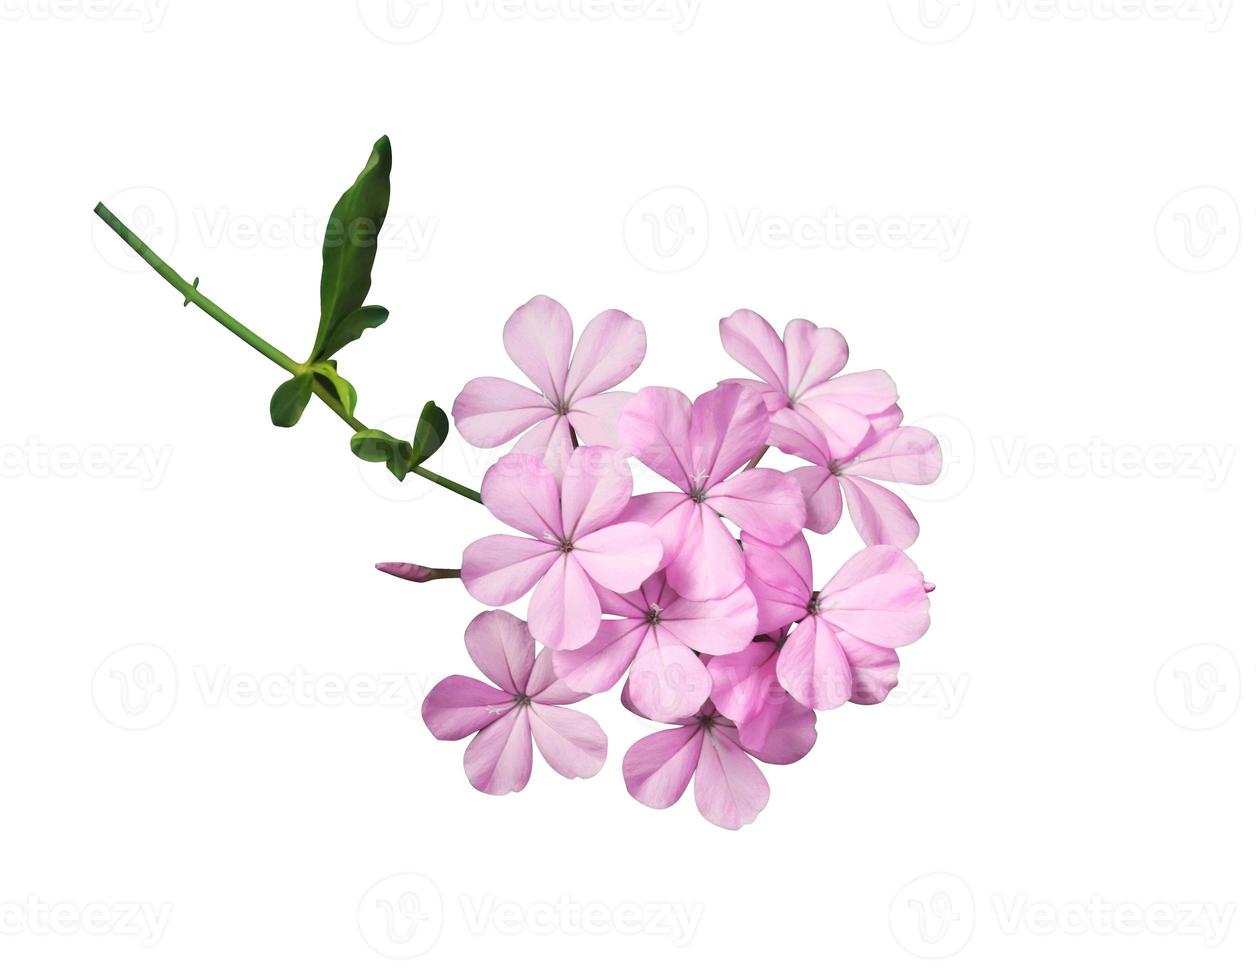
(702, 595)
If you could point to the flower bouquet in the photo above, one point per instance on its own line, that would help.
(701, 597)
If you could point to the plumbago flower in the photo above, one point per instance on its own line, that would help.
(728, 641)
(654, 640)
(797, 376)
(574, 389)
(842, 646)
(728, 787)
(890, 452)
(507, 719)
(575, 540)
(698, 447)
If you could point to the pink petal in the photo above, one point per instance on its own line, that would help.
(549, 442)
(791, 737)
(491, 411)
(875, 669)
(458, 706)
(611, 348)
(708, 564)
(654, 427)
(879, 596)
(619, 557)
(823, 496)
(774, 399)
(538, 340)
(764, 503)
(564, 612)
(501, 568)
(744, 689)
(904, 455)
(499, 759)
(728, 787)
(812, 355)
(714, 626)
(780, 578)
(599, 664)
(596, 417)
(728, 426)
(752, 343)
(520, 490)
(572, 743)
(596, 488)
(658, 767)
(813, 666)
(501, 646)
(867, 392)
(673, 517)
(796, 434)
(879, 515)
(844, 430)
(546, 687)
(667, 682)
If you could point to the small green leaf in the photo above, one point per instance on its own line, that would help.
(352, 327)
(290, 399)
(431, 433)
(326, 375)
(377, 446)
(351, 241)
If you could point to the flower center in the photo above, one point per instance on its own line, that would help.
(655, 614)
(522, 700)
(562, 407)
(835, 467)
(813, 607)
(566, 547)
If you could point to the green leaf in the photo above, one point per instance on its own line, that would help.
(430, 435)
(352, 327)
(377, 446)
(290, 399)
(350, 243)
(326, 375)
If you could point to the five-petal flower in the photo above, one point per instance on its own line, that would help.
(575, 539)
(656, 640)
(574, 389)
(522, 709)
(699, 447)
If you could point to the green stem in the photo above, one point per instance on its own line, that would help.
(191, 294)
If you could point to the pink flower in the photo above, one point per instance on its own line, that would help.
(574, 389)
(797, 376)
(728, 787)
(904, 454)
(842, 647)
(655, 642)
(574, 542)
(507, 719)
(699, 447)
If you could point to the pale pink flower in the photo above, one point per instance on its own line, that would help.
(522, 709)
(843, 646)
(656, 642)
(699, 447)
(901, 454)
(728, 787)
(574, 388)
(575, 540)
(797, 375)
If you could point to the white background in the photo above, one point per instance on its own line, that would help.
(1083, 347)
